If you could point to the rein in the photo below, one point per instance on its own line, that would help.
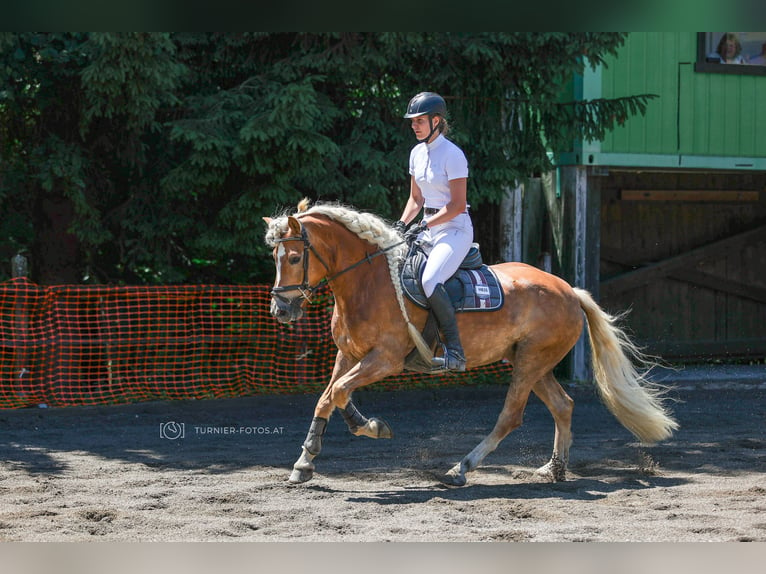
(306, 290)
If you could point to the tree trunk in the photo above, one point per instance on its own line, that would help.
(56, 255)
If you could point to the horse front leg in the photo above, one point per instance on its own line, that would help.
(374, 367)
(360, 425)
(303, 469)
(346, 377)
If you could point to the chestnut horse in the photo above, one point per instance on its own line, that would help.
(359, 256)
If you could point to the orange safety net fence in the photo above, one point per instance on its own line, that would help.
(79, 345)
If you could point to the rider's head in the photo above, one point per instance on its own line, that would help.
(427, 112)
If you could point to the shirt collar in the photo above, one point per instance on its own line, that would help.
(436, 143)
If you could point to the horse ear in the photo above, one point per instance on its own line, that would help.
(267, 220)
(294, 225)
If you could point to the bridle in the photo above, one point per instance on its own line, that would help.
(306, 290)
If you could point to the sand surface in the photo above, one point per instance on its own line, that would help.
(106, 473)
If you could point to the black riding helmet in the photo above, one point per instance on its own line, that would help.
(429, 103)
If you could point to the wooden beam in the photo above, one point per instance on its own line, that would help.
(721, 284)
(648, 273)
(719, 195)
(698, 278)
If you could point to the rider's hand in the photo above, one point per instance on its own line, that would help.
(400, 227)
(414, 231)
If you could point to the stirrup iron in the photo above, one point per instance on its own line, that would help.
(449, 361)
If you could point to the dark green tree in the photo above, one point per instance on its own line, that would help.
(151, 157)
(81, 127)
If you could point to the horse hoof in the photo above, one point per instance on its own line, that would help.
(454, 478)
(300, 475)
(381, 428)
(375, 428)
(552, 471)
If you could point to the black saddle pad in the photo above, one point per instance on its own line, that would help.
(476, 289)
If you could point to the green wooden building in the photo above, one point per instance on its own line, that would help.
(667, 215)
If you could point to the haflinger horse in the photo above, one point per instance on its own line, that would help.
(374, 327)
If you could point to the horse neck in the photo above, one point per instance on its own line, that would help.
(343, 249)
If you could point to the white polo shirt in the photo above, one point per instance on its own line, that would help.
(433, 165)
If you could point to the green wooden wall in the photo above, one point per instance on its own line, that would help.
(647, 63)
(701, 120)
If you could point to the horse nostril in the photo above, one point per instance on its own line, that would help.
(278, 311)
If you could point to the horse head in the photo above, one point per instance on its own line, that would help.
(347, 239)
(294, 279)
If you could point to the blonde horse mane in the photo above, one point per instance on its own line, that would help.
(366, 226)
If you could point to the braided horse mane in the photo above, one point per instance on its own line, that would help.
(367, 226)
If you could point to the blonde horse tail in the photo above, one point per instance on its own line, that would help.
(620, 370)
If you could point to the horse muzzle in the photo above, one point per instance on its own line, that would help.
(286, 310)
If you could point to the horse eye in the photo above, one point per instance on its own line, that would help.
(294, 259)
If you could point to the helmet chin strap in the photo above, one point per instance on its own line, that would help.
(433, 129)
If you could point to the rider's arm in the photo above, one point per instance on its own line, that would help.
(414, 202)
(456, 205)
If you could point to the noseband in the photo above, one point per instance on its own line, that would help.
(306, 290)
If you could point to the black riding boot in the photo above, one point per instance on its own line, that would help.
(454, 357)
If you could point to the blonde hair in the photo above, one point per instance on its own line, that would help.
(721, 49)
(443, 125)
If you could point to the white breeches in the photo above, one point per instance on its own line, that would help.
(446, 245)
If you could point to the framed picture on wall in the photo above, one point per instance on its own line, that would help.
(731, 53)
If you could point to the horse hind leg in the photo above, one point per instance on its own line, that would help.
(561, 406)
(510, 418)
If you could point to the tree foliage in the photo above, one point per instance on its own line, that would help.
(151, 157)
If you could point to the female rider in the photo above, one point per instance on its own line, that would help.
(438, 182)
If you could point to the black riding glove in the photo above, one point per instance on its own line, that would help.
(414, 231)
(400, 227)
